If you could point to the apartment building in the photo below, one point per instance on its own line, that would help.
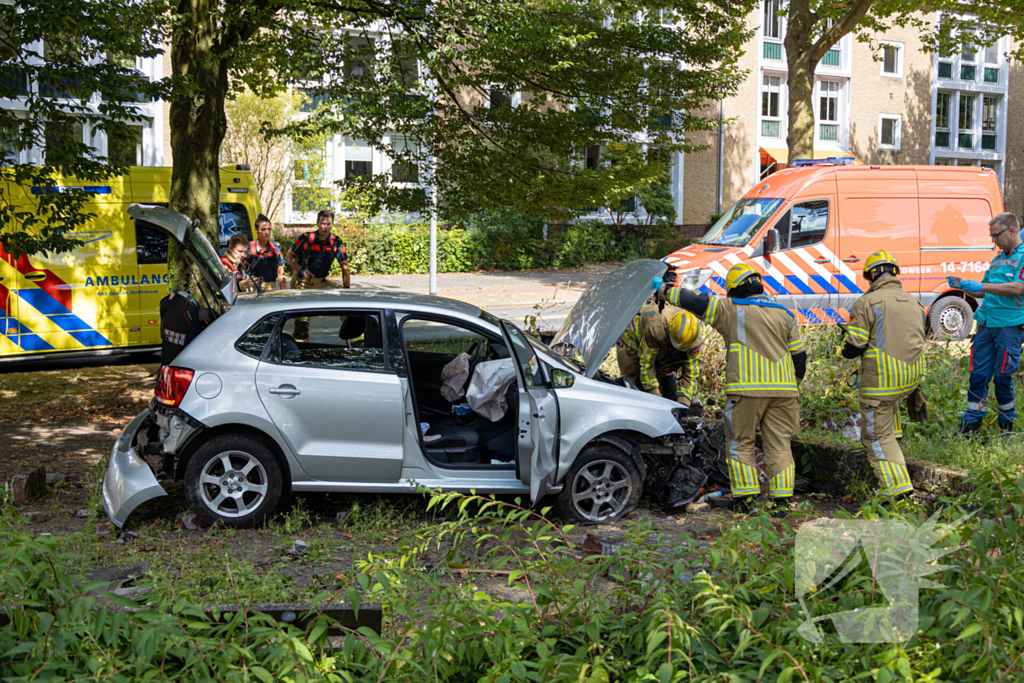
(895, 105)
(149, 144)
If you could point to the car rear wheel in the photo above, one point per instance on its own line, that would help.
(602, 485)
(951, 318)
(234, 480)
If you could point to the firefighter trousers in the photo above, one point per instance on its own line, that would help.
(779, 420)
(878, 425)
(302, 324)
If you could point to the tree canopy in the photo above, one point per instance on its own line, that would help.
(66, 66)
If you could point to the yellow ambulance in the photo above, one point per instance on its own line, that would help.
(105, 294)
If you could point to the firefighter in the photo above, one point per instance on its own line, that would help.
(311, 258)
(266, 262)
(765, 360)
(655, 345)
(887, 332)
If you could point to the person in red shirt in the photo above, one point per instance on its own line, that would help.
(232, 258)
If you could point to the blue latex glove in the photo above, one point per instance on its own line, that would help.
(954, 281)
(656, 283)
(971, 286)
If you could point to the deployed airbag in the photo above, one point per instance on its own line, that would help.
(454, 376)
(486, 392)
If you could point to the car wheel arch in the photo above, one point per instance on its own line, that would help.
(207, 435)
(626, 442)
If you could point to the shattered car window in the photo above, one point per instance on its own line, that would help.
(255, 340)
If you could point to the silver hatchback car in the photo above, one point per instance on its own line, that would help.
(346, 390)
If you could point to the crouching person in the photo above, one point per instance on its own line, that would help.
(656, 344)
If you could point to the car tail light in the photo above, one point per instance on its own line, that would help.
(172, 385)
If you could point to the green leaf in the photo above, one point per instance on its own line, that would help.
(262, 674)
(969, 631)
(665, 673)
(759, 616)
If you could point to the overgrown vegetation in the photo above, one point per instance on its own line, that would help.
(652, 611)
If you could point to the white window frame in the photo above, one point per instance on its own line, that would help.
(949, 128)
(517, 96)
(779, 21)
(900, 49)
(897, 131)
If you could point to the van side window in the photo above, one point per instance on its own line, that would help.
(804, 225)
(150, 244)
(233, 219)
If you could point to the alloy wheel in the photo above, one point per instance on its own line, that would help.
(601, 489)
(233, 484)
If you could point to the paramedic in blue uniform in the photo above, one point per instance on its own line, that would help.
(997, 342)
(266, 260)
(311, 258)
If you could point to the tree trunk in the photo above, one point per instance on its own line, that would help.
(800, 138)
(198, 124)
(801, 60)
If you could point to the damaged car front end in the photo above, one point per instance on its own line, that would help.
(130, 481)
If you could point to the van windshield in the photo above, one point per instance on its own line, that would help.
(740, 223)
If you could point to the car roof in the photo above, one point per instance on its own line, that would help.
(358, 298)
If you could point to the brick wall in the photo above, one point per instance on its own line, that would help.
(1013, 192)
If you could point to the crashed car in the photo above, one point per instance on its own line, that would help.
(334, 391)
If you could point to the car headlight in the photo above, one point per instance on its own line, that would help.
(696, 278)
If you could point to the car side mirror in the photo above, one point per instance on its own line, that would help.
(562, 378)
(771, 241)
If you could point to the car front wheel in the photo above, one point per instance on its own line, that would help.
(602, 485)
(234, 480)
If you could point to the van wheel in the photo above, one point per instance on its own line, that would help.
(603, 484)
(951, 318)
(233, 479)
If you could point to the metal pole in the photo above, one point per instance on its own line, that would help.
(433, 228)
(721, 155)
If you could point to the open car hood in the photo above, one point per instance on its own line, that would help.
(604, 311)
(197, 248)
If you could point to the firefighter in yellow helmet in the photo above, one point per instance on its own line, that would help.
(764, 363)
(657, 343)
(887, 332)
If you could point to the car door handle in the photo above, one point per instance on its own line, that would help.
(35, 277)
(285, 391)
(852, 259)
(822, 260)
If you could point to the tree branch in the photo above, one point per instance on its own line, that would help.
(858, 10)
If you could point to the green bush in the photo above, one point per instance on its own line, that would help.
(650, 611)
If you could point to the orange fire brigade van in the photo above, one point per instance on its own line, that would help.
(809, 230)
(105, 294)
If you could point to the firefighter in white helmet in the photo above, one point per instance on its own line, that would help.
(658, 342)
(765, 361)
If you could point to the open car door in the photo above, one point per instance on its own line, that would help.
(537, 448)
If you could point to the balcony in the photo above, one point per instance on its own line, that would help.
(771, 129)
(831, 58)
(828, 132)
(773, 51)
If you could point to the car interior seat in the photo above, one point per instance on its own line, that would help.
(364, 328)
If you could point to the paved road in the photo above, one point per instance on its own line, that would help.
(548, 294)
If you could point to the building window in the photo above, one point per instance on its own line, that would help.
(989, 112)
(946, 70)
(968, 70)
(991, 69)
(499, 97)
(892, 60)
(125, 150)
(942, 120)
(772, 20)
(828, 111)
(61, 140)
(771, 123)
(965, 140)
(889, 131)
(358, 159)
(404, 171)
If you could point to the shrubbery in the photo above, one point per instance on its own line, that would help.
(504, 239)
(651, 611)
